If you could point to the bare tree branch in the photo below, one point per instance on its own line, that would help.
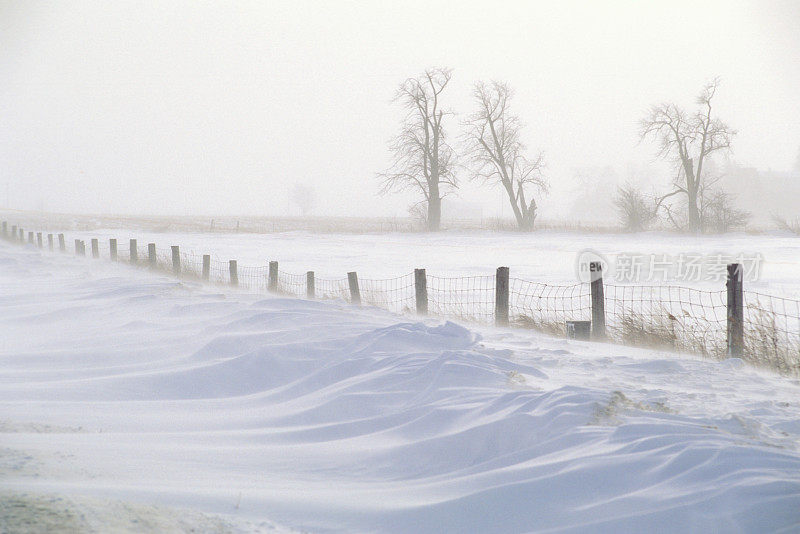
(423, 161)
(689, 141)
(495, 151)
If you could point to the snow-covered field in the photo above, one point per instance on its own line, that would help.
(548, 257)
(133, 400)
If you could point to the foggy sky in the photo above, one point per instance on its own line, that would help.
(214, 108)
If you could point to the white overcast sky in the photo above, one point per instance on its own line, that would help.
(211, 108)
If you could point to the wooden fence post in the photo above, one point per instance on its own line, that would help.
(5, 229)
(77, 247)
(50, 242)
(206, 266)
(134, 252)
(598, 301)
(176, 260)
(421, 291)
(30, 238)
(311, 290)
(234, 272)
(735, 313)
(21, 235)
(355, 294)
(273, 277)
(112, 246)
(95, 248)
(501, 297)
(13, 232)
(152, 258)
(62, 245)
(39, 239)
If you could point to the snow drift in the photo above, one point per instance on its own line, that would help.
(120, 384)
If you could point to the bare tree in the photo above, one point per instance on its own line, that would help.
(635, 212)
(303, 198)
(688, 140)
(423, 161)
(720, 215)
(496, 152)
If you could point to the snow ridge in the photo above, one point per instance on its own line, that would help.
(117, 383)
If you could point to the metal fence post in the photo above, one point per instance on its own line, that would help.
(355, 293)
(735, 311)
(310, 285)
(421, 291)
(598, 301)
(234, 272)
(501, 297)
(176, 260)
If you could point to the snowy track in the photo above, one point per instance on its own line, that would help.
(122, 385)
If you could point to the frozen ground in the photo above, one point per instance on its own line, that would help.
(173, 406)
(545, 256)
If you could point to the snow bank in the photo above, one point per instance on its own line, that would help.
(120, 386)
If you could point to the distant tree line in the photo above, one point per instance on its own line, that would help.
(492, 151)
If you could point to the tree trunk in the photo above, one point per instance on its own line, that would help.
(695, 225)
(692, 188)
(434, 208)
(513, 201)
(528, 217)
(434, 214)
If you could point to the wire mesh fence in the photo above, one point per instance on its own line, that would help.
(547, 307)
(292, 284)
(673, 317)
(191, 264)
(332, 288)
(394, 294)
(470, 298)
(679, 318)
(772, 331)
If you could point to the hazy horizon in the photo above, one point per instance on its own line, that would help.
(183, 108)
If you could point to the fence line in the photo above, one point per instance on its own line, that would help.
(673, 317)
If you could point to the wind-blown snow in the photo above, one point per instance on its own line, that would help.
(132, 387)
(546, 257)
